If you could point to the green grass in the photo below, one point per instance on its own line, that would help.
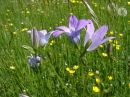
(52, 79)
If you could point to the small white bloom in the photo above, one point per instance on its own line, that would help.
(22, 95)
(122, 11)
(97, 72)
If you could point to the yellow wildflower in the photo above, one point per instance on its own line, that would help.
(73, 1)
(116, 42)
(22, 23)
(12, 67)
(128, 3)
(11, 24)
(104, 55)
(128, 21)
(110, 77)
(50, 28)
(63, 20)
(24, 29)
(75, 67)
(27, 12)
(114, 45)
(101, 46)
(14, 33)
(95, 4)
(121, 34)
(129, 84)
(111, 33)
(90, 74)
(117, 47)
(71, 71)
(110, 41)
(52, 42)
(98, 80)
(96, 89)
(67, 69)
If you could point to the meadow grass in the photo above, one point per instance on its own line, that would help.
(100, 73)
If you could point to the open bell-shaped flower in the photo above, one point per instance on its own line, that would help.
(73, 31)
(97, 37)
(39, 37)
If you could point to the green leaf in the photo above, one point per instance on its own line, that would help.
(30, 49)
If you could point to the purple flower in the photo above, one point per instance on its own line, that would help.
(96, 37)
(34, 61)
(73, 31)
(39, 37)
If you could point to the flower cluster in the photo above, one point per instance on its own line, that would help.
(94, 38)
(72, 70)
(73, 32)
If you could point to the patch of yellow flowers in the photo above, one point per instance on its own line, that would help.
(128, 3)
(110, 77)
(96, 89)
(72, 70)
(75, 1)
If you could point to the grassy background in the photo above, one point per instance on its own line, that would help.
(53, 80)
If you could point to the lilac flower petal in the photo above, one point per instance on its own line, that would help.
(73, 21)
(35, 38)
(100, 33)
(65, 29)
(94, 45)
(75, 39)
(75, 34)
(108, 38)
(44, 39)
(90, 29)
(87, 37)
(82, 23)
(56, 33)
(43, 32)
(89, 32)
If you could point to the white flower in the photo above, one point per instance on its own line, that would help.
(22, 95)
(122, 11)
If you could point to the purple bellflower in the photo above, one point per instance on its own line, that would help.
(73, 31)
(39, 37)
(97, 37)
